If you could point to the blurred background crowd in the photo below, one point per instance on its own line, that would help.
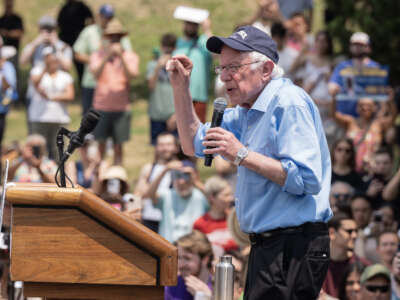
(83, 55)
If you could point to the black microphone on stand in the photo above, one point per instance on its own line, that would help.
(219, 107)
(88, 124)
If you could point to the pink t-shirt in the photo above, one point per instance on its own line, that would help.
(112, 90)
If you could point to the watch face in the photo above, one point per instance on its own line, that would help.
(242, 152)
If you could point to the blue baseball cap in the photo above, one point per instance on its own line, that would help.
(246, 39)
(107, 11)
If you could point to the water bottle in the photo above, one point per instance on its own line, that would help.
(224, 273)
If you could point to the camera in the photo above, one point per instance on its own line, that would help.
(377, 218)
(132, 202)
(36, 151)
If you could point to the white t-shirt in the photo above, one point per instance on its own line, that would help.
(262, 27)
(43, 110)
(287, 56)
(313, 73)
(149, 212)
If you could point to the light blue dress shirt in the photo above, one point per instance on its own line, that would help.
(283, 124)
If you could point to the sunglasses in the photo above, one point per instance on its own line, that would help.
(380, 288)
(350, 231)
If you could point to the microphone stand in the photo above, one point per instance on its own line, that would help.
(60, 145)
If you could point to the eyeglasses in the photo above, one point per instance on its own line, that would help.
(232, 69)
(346, 150)
(380, 288)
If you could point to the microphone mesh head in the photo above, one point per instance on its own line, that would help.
(220, 104)
(90, 120)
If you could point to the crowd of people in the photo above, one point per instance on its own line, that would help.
(357, 107)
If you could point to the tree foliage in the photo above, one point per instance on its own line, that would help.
(379, 18)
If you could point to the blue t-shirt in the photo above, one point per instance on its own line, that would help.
(179, 214)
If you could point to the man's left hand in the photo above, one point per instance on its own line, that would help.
(224, 142)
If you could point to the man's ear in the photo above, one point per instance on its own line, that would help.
(268, 67)
(332, 233)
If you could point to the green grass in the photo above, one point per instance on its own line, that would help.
(146, 21)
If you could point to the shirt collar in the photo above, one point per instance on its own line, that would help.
(268, 94)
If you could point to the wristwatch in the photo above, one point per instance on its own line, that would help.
(241, 154)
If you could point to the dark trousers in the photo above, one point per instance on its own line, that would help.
(288, 265)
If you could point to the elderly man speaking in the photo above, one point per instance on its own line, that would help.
(275, 137)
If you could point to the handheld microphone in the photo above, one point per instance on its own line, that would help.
(88, 124)
(219, 107)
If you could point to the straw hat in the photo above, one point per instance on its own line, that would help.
(114, 172)
(241, 238)
(115, 27)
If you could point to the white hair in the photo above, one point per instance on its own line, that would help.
(277, 71)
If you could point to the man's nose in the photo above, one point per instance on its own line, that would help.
(225, 75)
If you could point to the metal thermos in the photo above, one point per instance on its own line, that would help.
(224, 273)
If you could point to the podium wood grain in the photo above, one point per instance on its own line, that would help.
(66, 245)
(39, 228)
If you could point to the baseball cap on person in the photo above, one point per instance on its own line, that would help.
(359, 38)
(246, 38)
(47, 22)
(107, 11)
(374, 270)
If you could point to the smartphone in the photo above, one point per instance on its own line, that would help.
(36, 151)
(132, 202)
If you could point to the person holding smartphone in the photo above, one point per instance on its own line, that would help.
(182, 205)
(33, 165)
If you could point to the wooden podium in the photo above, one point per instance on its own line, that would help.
(69, 244)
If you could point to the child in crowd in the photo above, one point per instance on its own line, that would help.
(195, 258)
(214, 222)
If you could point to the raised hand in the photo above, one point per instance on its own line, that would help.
(179, 68)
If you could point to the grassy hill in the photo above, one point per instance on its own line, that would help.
(146, 21)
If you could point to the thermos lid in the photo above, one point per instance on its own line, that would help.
(225, 259)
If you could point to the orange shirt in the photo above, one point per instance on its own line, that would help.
(112, 90)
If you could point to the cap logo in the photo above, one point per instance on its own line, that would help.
(242, 34)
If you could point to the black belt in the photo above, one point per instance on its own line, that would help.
(306, 228)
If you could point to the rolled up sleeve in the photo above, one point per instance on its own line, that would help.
(198, 139)
(299, 150)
